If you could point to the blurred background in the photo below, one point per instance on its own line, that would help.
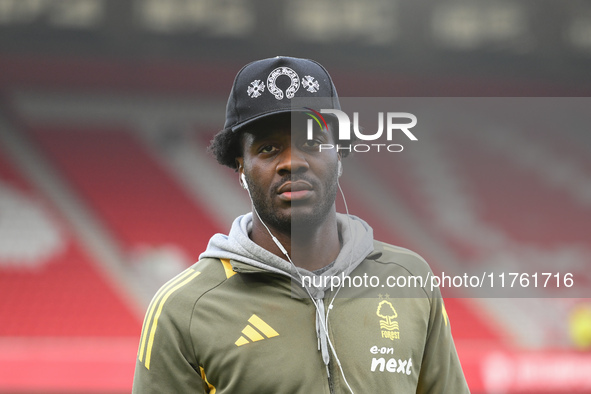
(107, 191)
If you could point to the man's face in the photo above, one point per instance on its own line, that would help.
(291, 183)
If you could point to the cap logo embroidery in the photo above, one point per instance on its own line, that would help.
(310, 84)
(291, 90)
(255, 89)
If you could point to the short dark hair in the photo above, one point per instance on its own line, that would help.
(226, 145)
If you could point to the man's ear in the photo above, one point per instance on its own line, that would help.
(240, 170)
(239, 164)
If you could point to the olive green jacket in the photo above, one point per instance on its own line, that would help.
(223, 326)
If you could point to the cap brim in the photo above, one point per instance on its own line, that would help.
(266, 115)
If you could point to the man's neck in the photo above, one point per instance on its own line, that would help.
(309, 248)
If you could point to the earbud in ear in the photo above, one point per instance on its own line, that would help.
(339, 169)
(243, 183)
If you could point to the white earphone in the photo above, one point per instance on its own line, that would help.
(324, 317)
(243, 181)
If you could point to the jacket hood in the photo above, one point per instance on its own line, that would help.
(356, 236)
(357, 244)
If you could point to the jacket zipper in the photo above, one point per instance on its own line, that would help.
(329, 369)
(329, 376)
(330, 362)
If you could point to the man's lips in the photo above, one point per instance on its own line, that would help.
(298, 190)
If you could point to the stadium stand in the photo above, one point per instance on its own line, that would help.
(62, 314)
(127, 188)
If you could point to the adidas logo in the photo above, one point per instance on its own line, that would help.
(257, 330)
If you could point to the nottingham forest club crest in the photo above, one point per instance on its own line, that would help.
(387, 313)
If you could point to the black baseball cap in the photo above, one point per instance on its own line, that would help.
(266, 87)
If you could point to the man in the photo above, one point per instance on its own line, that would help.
(254, 315)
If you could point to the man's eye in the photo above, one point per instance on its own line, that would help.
(311, 143)
(267, 149)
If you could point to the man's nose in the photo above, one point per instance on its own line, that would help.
(292, 161)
